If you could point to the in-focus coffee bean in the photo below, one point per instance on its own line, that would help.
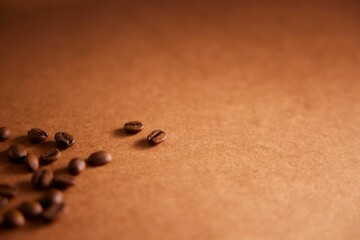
(99, 158)
(76, 166)
(50, 156)
(32, 162)
(17, 153)
(8, 191)
(5, 133)
(53, 196)
(134, 127)
(63, 181)
(3, 201)
(14, 218)
(31, 209)
(54, 212)
(42, 178)
(37, 135)
(156, 137)
(64, 139)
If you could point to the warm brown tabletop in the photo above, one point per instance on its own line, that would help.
(260, 100)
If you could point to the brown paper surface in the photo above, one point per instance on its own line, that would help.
(260, 100)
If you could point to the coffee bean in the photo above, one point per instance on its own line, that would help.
(14, 218)
(17, 153)
(32, 162)
(133, 127)
(5, 133)
(31, 209)
(54, 212)
(1, 220)
(50, 156)
(8, 191)
(76, 166)
(53, 196)
(156, 137)
(64, 139)
(37, 135)
(3, 201)
(42, 178)
(63, 181)
(99, 158)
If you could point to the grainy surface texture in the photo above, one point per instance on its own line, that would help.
(260, 101)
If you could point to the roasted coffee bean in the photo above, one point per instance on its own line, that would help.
(37, 135)
(32, 162)
(63, 181)
(1, 220)
(8, 191)
(17, 153)
(31, 209)
(14, 218)
(54, 212)
(5, 133)
(64, 139)
(156, 137)
(99, 158)
(3, 201)
(42, 178)
(76, 166)
(50, 156)
(53, 196)
(133, 127)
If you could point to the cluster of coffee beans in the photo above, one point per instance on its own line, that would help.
(51, 205)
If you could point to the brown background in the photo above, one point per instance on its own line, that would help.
(260, 100)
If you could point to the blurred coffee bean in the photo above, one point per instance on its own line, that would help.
(99, 158)
(37, 135)
(54, 212)
(42, 178)
(5, 133)
(17, 153)
(32, 162)
(49, 156)
(64, 139)
(63, 181)
(76, 166)
(14, 218)
(8, 191)
(134, 127)
(31, 209)
(53, 196)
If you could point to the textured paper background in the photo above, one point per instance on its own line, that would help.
(260, 100)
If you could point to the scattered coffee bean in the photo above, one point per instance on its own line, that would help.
(14, 218)
(3, 201)
(133, 127)
(64, 139)
(42, 178)
(54, 212)
(32, 162)
(53, 196)
(156, 137)
(37, 135)
(99, 158)
(50, 156)
(63, 181)
(31, 209)
(17, 153)
(76, 166)
(8, 191)
(5, 133)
